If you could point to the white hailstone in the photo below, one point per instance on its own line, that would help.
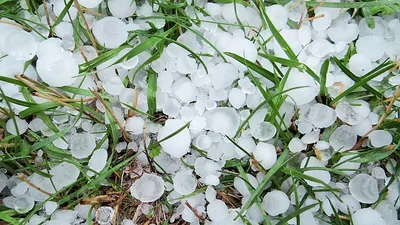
(83, 211)
(198, 124)
(265, 154)
(205, 167)
(130, 63)
(363, 127)
(55, 222)
(348, 114)
(343, 138)
(321, 174)
(388, 211)
(304, 34)
(320, 48)
(110, 32)
(278, 15)
(128, 222)
(296, 145)
(361, 107)
(187, 113)
(378, 173)
(97, 161)
(21, 45)
(360, 64)
(82, 145)
(241, 186)
(178, 145)
(343, 33)
(172, 108)
(68, 216)
(203, 142)
(122, 8)
(380, 138)
(223, 120)
(184, 182)
(217, 210)
(3, 181)
(242, 47)
(113, 85)
(223, 75)
(228, 12)
(213, 9)
(364, 188)
(64, 174)
(211, 180)
(104, 215)
(164, 80)
(186, 64)
(322, 116)
(321, 24)
(237, 97)
(135, 125)
(263, 131)
(23, 203)
(246, 85)
(367, 216)
(349, 204)
(59, 6)
(372, 46)
(347, 166)
(247, 143)
(275, 202)
(148, 188)
(167, 163)
(184, 89)
(304, 126)
(311, 137)
(306, 88)
(50, 207)
(18, 127)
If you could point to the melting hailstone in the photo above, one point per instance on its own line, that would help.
(21, 45)
(82, 145)
(343, 138)
(275, 202)
(110, 32)
(23, 203)
(11, 127)
(122, 8)
(217, 210)
(178, 145)
(184, 182)
(148, 188)
(223, 120)
(380, 138)
(265, 154)
(97, 161)
(306, 88)
(322, 116)
(364, 188)
(367, 216)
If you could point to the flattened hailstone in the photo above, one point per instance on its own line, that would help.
(184, 182)
(322, 116)
(368, 216)
(178, 145)
(364, 188)
(380, 138)
(113, 85)
(184, 89)
(83, 211)
(320, 48)
(122, 8)
(343, 138)
(263, 131)
(360, 64)
(21, 45)
(265, 154)
(11, 127)
(228, 12)
(223, 75)
(322, 175)
(296, 145)
(134, 125)
(82, 145)
(148, 188)
(278, 15)
(64, 174)
(110, 32)
(349, 202)
(347, 113)
(347, 166)
(90, 3)
(275, 202)
(23, 203)
(104, 215)
(186, 64)
(321, 24)
(205, 167)
(168, 163)
(343, 33)
(372, 46)
(306, 93)
(223, 120)
(388, 211)
(237, 97)
(217, 210)
(98, 161)
(50, 207)
(242, 47)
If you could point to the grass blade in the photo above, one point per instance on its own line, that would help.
(151, 91)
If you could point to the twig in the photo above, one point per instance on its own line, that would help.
(41, 85)
(23, 178)
(86, 10)
(46, 11)
(318, 5)
(134, 104)
(79, 8)
(196, 213)
(15, 24)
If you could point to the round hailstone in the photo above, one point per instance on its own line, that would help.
(184, 182)
(347, 113)
(97, 162)
(372, 46)
(347, 166)
(148, 188)
(23, 203)
(57, 70)
(364, 188)
(349, 203)
(265, 154)
(278, 15)
(322, 175)
(263, 131)
(217, 210)
(89, 3)
(228, 12)
(134, 125)
(360, 64)
(186, 64)
(344, 33)
(110, 32)
(11, 127)
(296, 145)
(322, 116)
(237, 97)
(321, 24)
(223, 120)
(21, 45)
(205, 167)
(380, 138)
(50, 207)
(184, 89)
(82, 145)
(113, 85)
(242, 47)
(104, 215)
(367, 216)
(178, 145)
(122, 8)
(64, 174)
(223, 75)
(130, 63)
(83, 211)
(275, 202)
(343, 138)
(320, 48)
(306, 88)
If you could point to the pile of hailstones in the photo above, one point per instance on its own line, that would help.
(215, 102)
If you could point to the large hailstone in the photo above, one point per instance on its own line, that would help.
(275, 202)
(368, 216)
(122, 8)
(21, 45)
(223, 75)
(223, 120)
(178, 145)
(364, 188)
(321, 174)
(184, 182)
(305, 88)
(322, 116)
(265, 154)
(82, 145)
(148, 188)
(242, 47)
(98, 161)
(11, 127)
(110, 32)
(343, 138)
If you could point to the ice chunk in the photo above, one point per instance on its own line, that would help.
(320, 48)
(223, 120)
(296, 145)
(278, 15)
(349, 204)
(242, 47)
(104, 215)
(21, 45)
(275, 202)
(367, 216)
(321, 174)
(343, 138)
(205, 167)
(265, 154)
(178, 145)
(344, 33)
(17, 128)
(372, 46)
(378, 173)
(305, 88)
(82, 145)
(122, 8)
(237, 97)
(323, 23)
(263, 131)
(217, 210)
(185, 90)
(364, 188)
(113, 85)
(186, 64)
(311, 137)
(247, 143)
(50, 207)
(98, 161)
(346, 165)
(187, 113)
(223, 74)
(23, 203)
(110, 32)
(322, 116)
(168, 163)
(360, 64)
(363, 127)
(241, 186)
(184, 182)
(380, 138)
(3, 181)
(148, 188)
(68, 216)
(203, 142)
(347, 113)
(83, 211)
(135, 125)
